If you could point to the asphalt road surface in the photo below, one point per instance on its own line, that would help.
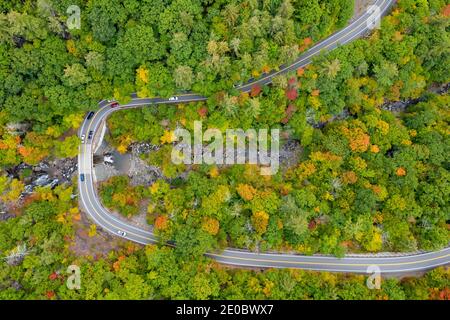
(358, 264)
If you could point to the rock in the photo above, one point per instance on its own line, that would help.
(15, 260)
(400, 106)
(5, 216)
(53, 183)
(48, 174)
(397, 106)
(142, 148)
(141, 173)
(28, 189)
(42, 180)
(18, 128)
(43, 165)
(290, 153)
(16, 256)
(23, 166)
(16, 285)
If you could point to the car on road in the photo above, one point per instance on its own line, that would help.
(90, 134)
(113, 103)
(122, 233)
(82, 177)
(83, 137)
(90, 115)
(173, 99)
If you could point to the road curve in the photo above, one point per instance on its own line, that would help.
(89, 199)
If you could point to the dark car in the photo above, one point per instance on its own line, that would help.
(90, 134)
(82, 177)
(90, 115)
(171, 243)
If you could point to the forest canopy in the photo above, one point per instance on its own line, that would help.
(335, 199)
(152, 47)
(366, 175)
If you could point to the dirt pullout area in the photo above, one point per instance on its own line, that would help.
(361, 6)
(97, 245)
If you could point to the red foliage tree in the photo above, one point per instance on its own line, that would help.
(53, 276)
(292, 81)
(291, 94)
(256, 90)
(290, 110)
(312, 224)
(203, 111)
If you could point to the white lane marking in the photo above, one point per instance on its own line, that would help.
(319, 268)
(231, 251)
(358, 33)
(164, 102)
(312, 52)
(109, 224)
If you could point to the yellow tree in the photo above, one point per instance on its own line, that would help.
(260, 220)
(247, 192)
(210, 225)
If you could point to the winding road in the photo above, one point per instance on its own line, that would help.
(89, 199)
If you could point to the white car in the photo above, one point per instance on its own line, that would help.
(122, 233)
(173, 99)
(83, 137)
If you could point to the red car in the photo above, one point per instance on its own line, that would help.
(114, 104)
